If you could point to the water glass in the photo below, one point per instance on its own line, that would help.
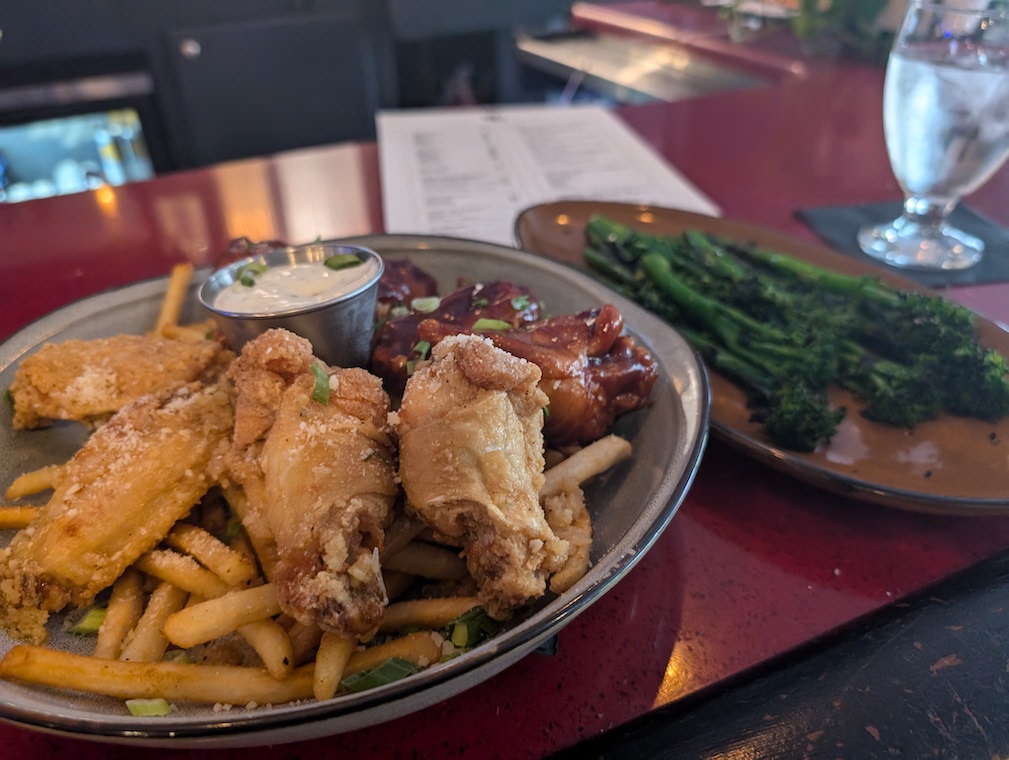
(946, 122)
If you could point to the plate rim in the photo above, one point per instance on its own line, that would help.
(240, 728)
(776, 457)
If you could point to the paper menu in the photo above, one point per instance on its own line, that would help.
(469, 172)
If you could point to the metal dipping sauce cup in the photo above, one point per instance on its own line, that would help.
(340, 329)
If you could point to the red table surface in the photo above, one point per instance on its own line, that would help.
(753, 565)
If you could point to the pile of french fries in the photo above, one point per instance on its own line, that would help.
(208, 582)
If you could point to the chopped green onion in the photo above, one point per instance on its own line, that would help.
(89, 622)
(411, 367)
(247, 273)
(399, 310)
(460, 635)
(211, 334)
(489, 325)
(479, 303)
(391, 670)
(232, 531)
(546, 412)
(180, 656)
(148, 708)
(425, 305)
(471, 627)
(253, 267)
(423, 348)
(342, 261)
(520, 302)
(321, 391)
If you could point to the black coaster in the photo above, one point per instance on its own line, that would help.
(839, 225)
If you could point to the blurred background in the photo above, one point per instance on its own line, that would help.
(113, 91)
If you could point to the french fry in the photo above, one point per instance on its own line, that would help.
(270, 641)
(403, 530)
(427, 561)
(183, 571)
(36, 481)
(426, 613)
(255, 526)
(147, 643)
(222, 615)
(241, 544)
(175, 297)
(595, 458)
(421, 648)
(272, 644)
(228, 684)
(193, 333)
(16, 518)
(231, 566)
(330, 661)
(304, 638)
(396, 583)
(126, 605)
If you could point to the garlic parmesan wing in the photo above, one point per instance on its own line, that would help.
(116, 498)
(89, 380)
(320, 473)
(471, 463)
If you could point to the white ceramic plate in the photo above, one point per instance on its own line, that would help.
(630, 506)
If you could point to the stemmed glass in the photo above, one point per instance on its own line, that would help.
(946, 121)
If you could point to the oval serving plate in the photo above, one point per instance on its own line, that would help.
(631, 505)
(950, 465)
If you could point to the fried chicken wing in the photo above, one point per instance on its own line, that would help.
(471, 463)
(322, 477)
(568, 517)
(89, 380)
(133, 479)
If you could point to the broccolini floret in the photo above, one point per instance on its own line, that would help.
(786, 330)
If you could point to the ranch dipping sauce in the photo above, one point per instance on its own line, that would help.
(262, 289)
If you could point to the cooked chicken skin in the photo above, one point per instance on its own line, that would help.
(133, 479)
(471, 463)
(568, 517)
(89, 380)
(322, 476)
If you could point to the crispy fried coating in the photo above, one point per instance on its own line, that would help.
(568, 517)
(133, 479)
(89, 380)
(323, 478)
(471, 463)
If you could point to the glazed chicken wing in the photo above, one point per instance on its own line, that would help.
(320, 472)
(133, 479)
(89, 380)
(471, 463)
(591, 372)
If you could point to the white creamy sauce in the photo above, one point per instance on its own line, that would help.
(294, 286)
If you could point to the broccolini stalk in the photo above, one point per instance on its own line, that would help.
(827, 280)
(728, 323)
(786, 330)
(795, 413)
